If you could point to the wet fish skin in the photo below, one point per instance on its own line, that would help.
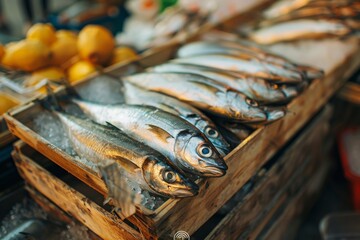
(202, 93)
(105, 145)
(136, 95)
(256, 88)
(248, 65)
(299, 29)
(240, 47)
(185, 146)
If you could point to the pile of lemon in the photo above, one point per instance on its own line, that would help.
(54, 55)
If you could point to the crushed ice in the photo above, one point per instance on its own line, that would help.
(27, 210)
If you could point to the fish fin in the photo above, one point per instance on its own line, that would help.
(206, 86)
(159, 132)
(119, 190)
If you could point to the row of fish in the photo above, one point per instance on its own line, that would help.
(178, 120)
(302, 19)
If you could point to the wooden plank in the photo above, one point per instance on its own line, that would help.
(251, 154)
(53, 211)
(286, 225)
(350, 92)
(104, 224)
(251, 214)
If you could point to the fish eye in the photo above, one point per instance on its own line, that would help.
(251, 102)
(273, 85)
(205, 151)
(211, 132)
(169, 176)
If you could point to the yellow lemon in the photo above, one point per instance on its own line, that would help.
(6, 102)
(50, 73)
(66, 34)
(63, 50)
(96, 44)
(122, 54)
(80, 70)
(27, 55)
(43, 32)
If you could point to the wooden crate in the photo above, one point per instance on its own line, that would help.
(276, 188)
(244, 161)
(277, 185)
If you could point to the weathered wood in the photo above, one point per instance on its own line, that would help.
(350, 92)
(104, 224)
(53, 211)
(251, 154)
(251, 214)
(286, 225)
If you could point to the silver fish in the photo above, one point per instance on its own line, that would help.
(202, 93)
(247, 65)
(105, 145)
(255, 88)
(186, 147)
(284, 7)
(136, 95)
(232, 41)
(240, 47)
(299, 29)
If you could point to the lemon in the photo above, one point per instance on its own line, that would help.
(6, 102)
(122, 54)
(27, 55)
(50, 73)
(96, 44)
(63, 50)
(65, 34)
(43, 32)
(80, 70)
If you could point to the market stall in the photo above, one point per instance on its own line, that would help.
(220, 133)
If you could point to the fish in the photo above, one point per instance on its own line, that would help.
(202, 93)
(243, 47)
(106, 145)
(284, 7)
(263, 91)
(240, 130)
(343, 12)
(300, 29)
(137, 96)
(178, 140)
(247, 65)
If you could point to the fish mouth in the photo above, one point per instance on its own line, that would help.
(186, 192)
(290, 92)
(212, 171)
(275, 115)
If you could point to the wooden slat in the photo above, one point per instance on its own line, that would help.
(251, 154)
(286, 225)
(351, 93)
(253, 212)
(104, 224)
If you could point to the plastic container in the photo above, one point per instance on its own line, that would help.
(349, 147)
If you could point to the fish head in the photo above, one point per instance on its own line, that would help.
(243, 108)
(162, 178)
(214, 136)
(198, 155)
